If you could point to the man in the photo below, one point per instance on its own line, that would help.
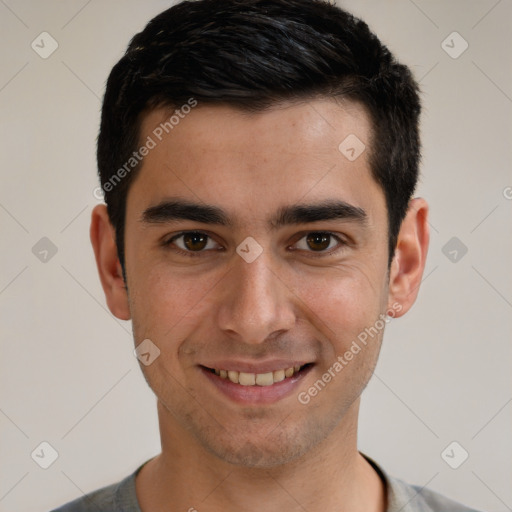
(258, 160)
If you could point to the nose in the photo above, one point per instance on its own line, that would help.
(255, 303)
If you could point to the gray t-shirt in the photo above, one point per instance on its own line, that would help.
(402, 497)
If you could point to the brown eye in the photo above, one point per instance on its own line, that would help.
(318, 241)
(195, 241)
(192, 243)
(323, 243)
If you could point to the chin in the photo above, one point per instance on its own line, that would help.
(250, 455)
(279, 447)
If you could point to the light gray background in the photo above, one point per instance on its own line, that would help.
(68, 375)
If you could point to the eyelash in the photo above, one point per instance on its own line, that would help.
(313, 254)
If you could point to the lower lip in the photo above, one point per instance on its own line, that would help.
(249, 395)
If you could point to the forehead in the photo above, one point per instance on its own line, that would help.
(220, 154)
(301, 127)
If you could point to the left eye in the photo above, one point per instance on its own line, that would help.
(318, 242)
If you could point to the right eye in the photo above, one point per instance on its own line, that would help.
(191, 243)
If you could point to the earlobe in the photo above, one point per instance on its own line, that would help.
(107, 260)
(410, 256)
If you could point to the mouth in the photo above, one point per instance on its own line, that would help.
(258, 379)
(247, 388)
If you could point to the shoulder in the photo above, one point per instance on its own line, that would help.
(404, 497)
(413, 498)
(120, 496)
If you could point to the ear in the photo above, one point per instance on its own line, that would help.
(410, 256)
(109, 268)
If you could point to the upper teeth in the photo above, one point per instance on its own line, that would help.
(257, 379)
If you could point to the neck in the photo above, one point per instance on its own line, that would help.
(333, 476)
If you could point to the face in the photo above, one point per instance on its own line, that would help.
(254, 246)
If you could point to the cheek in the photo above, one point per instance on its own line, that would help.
(167, 304)
(345, 300)
(168, 308)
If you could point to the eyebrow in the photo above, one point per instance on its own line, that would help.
(325, 210)
(180, 209)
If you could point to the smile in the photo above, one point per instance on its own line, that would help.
(257, 379)
(259, 384)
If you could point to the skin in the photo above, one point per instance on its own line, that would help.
(218, 454)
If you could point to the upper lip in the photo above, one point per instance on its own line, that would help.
(255, 367)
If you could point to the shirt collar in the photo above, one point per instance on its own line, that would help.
(401, 497)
